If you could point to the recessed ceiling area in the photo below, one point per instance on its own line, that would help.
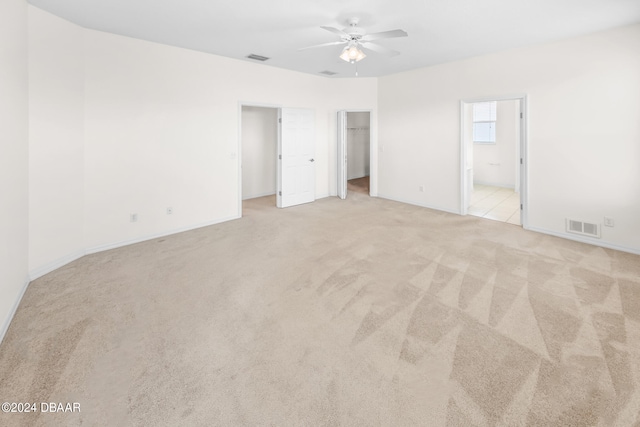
(439, 31)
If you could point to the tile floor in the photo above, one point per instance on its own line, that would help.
(496, 203)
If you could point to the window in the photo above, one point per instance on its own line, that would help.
(484, 122)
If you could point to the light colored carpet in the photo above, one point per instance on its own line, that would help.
(358, 312)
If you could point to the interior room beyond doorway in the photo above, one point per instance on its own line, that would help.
(358, 151)
(259, 151)
(359, 185)
(492, 145)
(496, 203)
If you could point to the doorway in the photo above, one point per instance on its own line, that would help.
(259, 134)
(354, 152)
(493, 158)
(277, 155)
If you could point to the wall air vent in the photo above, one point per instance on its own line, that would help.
(583, 228)
(257, 57)
(328, 73)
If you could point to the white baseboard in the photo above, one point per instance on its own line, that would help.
(349, 178)
(108, 246)
(48, 268)
(54, 265)
(422, 205)
(318, 196)
(255, 196)
(7, 322)
(593, 242)
(493, 184)
(537, 230)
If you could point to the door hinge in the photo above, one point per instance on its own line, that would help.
(279, 119)
(520, 160)
(520, 115)
(279, 156)
(279, 193)
(520, 206)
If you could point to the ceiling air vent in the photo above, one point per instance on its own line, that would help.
(328, 73)
(257, 57)
(584, 228)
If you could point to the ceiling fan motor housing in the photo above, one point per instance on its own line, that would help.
(355, 37)
(354, 32)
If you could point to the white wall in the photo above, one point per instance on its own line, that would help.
(259, 151)
(583, 130)
(495, 164)
(121, 126)
(125, 126)
(358, 134)
(14, 208)
(56, 141)
(162, 130)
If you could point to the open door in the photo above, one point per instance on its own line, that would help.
(296, 152)
(342, 154)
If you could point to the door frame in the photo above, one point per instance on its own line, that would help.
(342, 149)
(373, 152)
(522, 147)
(239, 145)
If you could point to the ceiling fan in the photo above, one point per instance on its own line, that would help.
(355, 37)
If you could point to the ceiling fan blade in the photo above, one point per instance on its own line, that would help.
(380, 49)
(335, 31)
(385, 35)
(322, 45)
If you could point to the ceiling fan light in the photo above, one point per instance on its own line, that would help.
(344, 55)
(352, 54)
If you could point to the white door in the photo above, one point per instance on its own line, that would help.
(296, 152)
(342, 154)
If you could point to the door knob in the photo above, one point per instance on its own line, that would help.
(311, 160)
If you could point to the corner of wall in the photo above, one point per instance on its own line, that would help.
(14, 162)
(14, 308)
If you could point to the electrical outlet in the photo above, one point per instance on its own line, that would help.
(133, 217)
(608, 221)
(169, 211)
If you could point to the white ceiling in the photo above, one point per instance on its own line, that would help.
(439, 30)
